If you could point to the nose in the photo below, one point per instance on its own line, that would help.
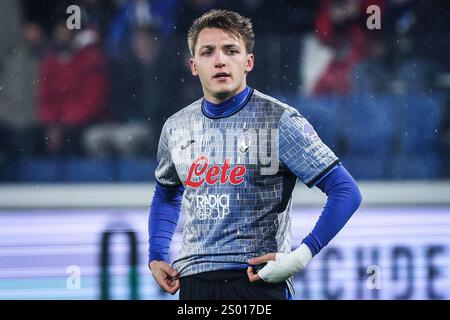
(219, 61)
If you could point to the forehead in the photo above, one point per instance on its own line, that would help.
(214, 36)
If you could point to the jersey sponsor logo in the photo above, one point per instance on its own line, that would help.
(214, 174)
(245, 146)
(213, 206)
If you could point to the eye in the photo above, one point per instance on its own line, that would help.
(232, 51)
(206, 53)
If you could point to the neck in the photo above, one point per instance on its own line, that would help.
(222, 97)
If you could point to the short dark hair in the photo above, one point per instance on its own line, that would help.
(228, 21)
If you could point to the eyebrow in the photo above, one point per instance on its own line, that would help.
(210, 46)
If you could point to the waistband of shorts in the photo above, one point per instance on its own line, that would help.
(218, 275)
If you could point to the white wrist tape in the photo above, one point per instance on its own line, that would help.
(286, 265)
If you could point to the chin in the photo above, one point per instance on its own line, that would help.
(224, 89)
(221, 91)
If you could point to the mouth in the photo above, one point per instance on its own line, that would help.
(221, 76)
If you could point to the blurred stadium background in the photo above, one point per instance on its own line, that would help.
(81, 111)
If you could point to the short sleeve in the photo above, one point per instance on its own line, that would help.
(165, 172)
(301, 150)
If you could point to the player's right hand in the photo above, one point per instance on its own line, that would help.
(165, 276)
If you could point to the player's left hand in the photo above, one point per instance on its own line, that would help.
(280, 266)
(252, 276)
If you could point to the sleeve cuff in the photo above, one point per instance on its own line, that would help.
(314, 181)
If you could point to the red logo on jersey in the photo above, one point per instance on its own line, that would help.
(214, 174)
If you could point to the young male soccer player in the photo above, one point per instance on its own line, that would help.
(234, 157)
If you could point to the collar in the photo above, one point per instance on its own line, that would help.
(228, 107)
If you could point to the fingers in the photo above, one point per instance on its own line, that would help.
(166, 277)
(168, 284)
(164, 267)
(262, 259)
(165, 285)
(169, 270)
(175, 285)
(252, 277)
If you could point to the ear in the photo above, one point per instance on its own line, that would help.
(193, 67)
(250, 62)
